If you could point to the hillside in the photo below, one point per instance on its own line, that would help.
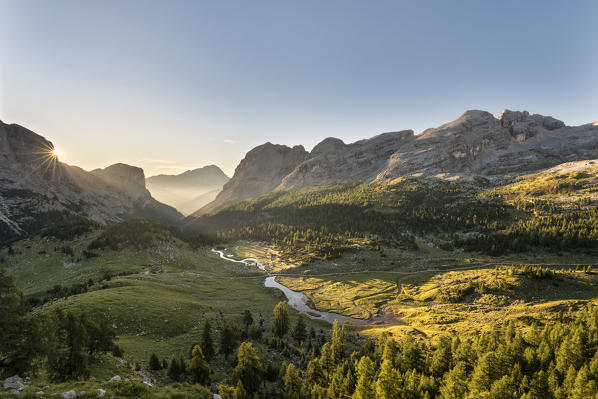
(37, 190)
(190, 190)
(476, 143)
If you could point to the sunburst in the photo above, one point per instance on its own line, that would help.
(47, 160)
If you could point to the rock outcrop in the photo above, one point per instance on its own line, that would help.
(260, 172)
(476, 143)
(37, 190)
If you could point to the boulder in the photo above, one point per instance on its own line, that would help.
(69, 394)
(116, 378)
(101, 393)
(81, 394)
(14, 382)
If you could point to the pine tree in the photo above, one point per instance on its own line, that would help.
(299, 330)
(182, 364)
(293, 382)
(227, 340)
(198, 367)
(174, 371)
(249, 369)
(207, 344)
(387, 384)
(154, 362)
(247, 318)
(338, 342)
(281, 319)
(240, 392)
(366, 378)
(336, 389)
(314, 374)
(454, 384)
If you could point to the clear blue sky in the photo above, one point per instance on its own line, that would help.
(172, 85)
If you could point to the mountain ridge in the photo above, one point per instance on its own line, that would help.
(476, 143)
(37, 190)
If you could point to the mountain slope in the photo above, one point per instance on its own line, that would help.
(261, 171)
(37, 190)
(190, 190)
(476, 143)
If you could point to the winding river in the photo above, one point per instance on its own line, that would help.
(296, 299)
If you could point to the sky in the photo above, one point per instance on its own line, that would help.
(175, 85)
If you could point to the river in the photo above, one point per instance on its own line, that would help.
(296, 299)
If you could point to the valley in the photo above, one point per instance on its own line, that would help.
(426, 265)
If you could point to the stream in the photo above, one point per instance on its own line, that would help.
(296, 299)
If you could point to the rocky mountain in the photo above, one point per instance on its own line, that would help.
(476, 143)
(261, 171)
(37, 190)
(189, 190)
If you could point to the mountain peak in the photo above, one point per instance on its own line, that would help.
(127, 178)
(512, 118)
(329, 144)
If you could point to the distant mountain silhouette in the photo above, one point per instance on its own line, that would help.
(189, 190)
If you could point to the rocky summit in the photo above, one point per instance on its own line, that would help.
(476, 143)
(37, 190)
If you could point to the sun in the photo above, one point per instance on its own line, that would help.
(56, 152)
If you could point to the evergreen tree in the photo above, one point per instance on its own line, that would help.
(281, 319)
(299, 330)
(336, 389)
(441, 359)
(69, 359)
(198, 367)
(174, 370)
(454, 384)
(207, 344)
(239, 392)
(338, 342)
(366, 379)
(293, 382)
(249, 369)
(315, 374)
(182, 364)
(247, 318)
(154, 363)
(387, 384)
(227, 340)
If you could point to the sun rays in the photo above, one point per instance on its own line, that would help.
(46, 160)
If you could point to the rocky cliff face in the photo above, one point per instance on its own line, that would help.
(37, 190)
(476, 143)
(261, 171)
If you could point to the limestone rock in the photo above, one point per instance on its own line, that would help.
(260, 172)
(69, 394)
(37, 190)
(14, 382)
(116, 378)
(101, 393)
(474, 144)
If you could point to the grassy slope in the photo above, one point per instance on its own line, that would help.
(161, 313)
(564, 185)
(363, 283)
